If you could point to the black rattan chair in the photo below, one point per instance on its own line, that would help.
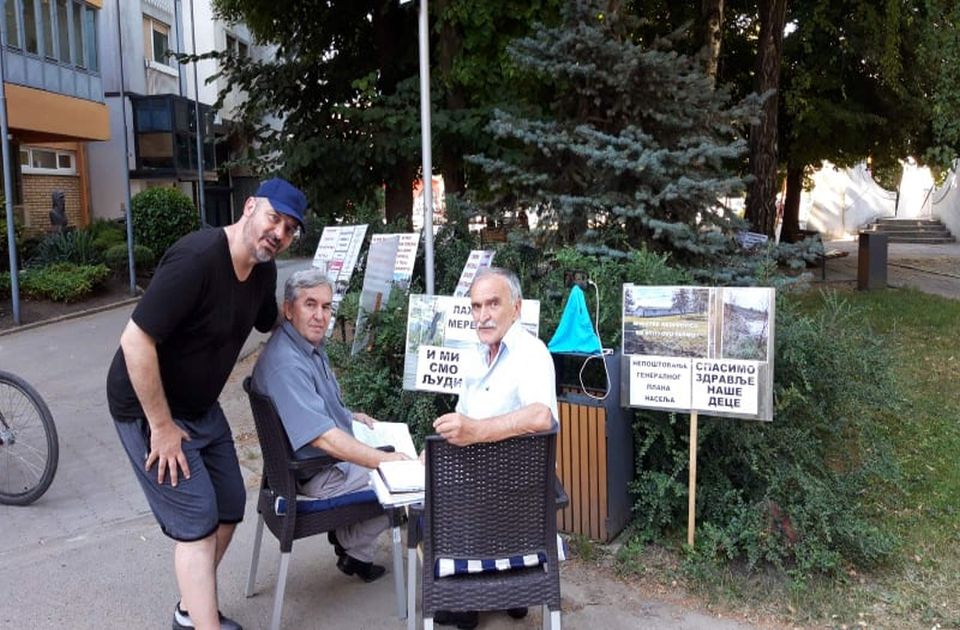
(280, 474)
(491, 501)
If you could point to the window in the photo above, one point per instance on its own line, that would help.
(46, 21)
(43, 161)
(236, 46)
(79, 44)
(13, 33)
(63, 30)
(156, 40)
(90, 39)
(29, 27)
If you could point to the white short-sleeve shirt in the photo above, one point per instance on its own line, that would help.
(522, 373)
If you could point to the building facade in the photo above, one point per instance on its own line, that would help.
(55, 104)
(160, 96)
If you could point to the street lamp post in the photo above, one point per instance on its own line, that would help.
(8, 187)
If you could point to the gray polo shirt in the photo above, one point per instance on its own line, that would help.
(298, 377)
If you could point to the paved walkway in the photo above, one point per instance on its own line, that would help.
(88, 554)
(929, 268)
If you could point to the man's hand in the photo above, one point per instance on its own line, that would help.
(359, 416)
(167, 452)
(457, 429)
(394, 457)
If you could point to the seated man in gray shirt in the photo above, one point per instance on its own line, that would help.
(294, 371)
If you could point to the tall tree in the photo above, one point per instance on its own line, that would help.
(634, 148)
(711, 21)
(344, 83)
(761, 210)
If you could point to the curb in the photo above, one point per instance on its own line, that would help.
(76, 315)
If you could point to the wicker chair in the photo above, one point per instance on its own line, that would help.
(490, 501)
(280, 474)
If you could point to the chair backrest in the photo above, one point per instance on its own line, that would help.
(491, 500)
(274, 444)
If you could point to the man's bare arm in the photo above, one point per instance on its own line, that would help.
(342, 445)
(462, 430)
(143, 367)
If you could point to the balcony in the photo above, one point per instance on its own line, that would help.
(30, 70)
(165, 138)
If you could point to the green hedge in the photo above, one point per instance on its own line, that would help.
(160, 217)
(60, 282)
(117, 259)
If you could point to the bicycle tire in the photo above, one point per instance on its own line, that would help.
(29, 461)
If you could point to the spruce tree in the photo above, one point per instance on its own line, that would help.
(631, 146)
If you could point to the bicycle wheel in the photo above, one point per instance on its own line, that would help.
(29, 449)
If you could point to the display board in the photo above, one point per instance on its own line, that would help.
(409, 243)
(336, 256)
(478, 259)
(699, 349)
(378, 279)
(440, 333)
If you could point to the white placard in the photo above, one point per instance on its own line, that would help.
(726, 386)
(722, 335)
(336, 256)
(439, 369)
(660, 382)
(407, 247)
(377, 283)
(478, 259)
(446, 322)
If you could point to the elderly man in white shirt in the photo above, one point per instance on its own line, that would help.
(509, 386)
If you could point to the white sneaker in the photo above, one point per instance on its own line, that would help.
(182, 621)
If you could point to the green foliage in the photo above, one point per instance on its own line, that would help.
(801, 493)
(73, 246)
(61, 282)
(17, 239)
(161, 216)
(118, 260)
(636, 148)
(106, 234)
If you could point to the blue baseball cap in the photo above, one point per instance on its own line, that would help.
(284, 197)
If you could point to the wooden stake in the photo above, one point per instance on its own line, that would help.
(692, 492)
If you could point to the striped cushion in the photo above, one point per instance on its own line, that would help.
(306, 505)
(445, 567)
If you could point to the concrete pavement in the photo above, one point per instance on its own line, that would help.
(89, 555)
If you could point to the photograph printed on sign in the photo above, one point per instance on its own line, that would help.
(744, 331)
(666, 321)
(447, 322)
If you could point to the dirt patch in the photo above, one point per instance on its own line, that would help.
(113, 291)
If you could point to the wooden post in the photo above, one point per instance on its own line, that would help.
(692, 492)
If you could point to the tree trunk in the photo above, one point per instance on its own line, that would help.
(762, 191)
(711, 13)
(790, 232)
(398, 194)
(449, 45)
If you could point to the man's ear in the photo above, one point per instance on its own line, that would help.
(249, 206)
(287, 310)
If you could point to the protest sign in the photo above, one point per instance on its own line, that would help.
(700, 349)
(438, 323)
(478, 259)
(407, 247)
(377, 283)
(336, 256)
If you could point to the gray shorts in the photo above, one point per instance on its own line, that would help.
(214, 494)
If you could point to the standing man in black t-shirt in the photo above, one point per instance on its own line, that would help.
(175, 356)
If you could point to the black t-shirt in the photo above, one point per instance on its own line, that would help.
(199, 314)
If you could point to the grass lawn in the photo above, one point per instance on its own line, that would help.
(921, 588)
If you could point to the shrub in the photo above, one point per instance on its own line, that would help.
(106, 233)
(161, 216)
(62, 282)
(117, 259)
(75, 246)
(799, 493)
(17, 238)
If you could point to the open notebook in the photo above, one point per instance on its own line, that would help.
(403, 476)
(395, 434)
